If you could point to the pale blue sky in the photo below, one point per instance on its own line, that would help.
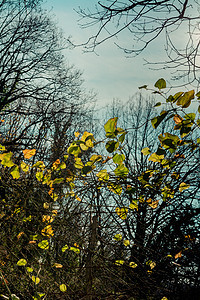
(109, 73)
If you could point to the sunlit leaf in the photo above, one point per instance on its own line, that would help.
(121, 171)
(15, 172)
(133, 265)
(28, 153)
(118, 237)
(78, 163)
(118, 158)
(65, 248)
(134, 205)
(30, 270)
(75, 250)
(35, 279)
(110, 127)
(122, 212)
(24, 167)
(183, 186)
(178, 255)
(57, 265)
(126, 243)
(43, 244)
(48, 231)
(21, 262)
(103, 175)
(115, 188)
(146, 151)
(156, 158)
(6, 159)
(63, 288)
(119, 262)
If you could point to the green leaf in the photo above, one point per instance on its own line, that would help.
(146, 151)
(103, 175)
(122, 137)
(185, 100)
(15, 172)
(134, 204)
(21, 262)
(63, 287)
(160, 84)
(74, 149)
(110, 127)
(6, 159)
(118, 158)
(118, 237)
(157, 104)
(121, 171)
(157, 120)
(111, 146)
(155, 157)
(58, 180)
(35, 279)
(115, 188)
(78, 163)
(43, 244)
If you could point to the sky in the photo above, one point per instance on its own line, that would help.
(108, 73)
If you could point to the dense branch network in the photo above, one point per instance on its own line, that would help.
(134, 25)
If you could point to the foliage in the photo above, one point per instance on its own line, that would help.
(50, 246)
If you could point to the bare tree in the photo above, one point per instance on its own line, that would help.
(134, 25)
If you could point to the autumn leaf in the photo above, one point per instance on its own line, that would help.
(28, 153)
(177, 119)
(178, 255)
(48, 231)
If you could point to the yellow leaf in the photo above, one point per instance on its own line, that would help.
(46, 205)
(132, 265)
(126, 243)
(21, 262)
(77, 198)
(15, 172)
(19, 235)
(122, 212)
(24, 166)
(6, 159)
(77, 134)
(35, 279)
(63, 288)
(119, 262)
(46, 218)
(28, 153)
(56, 164)
(48, 231)
(56, 265)
(183, 186)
